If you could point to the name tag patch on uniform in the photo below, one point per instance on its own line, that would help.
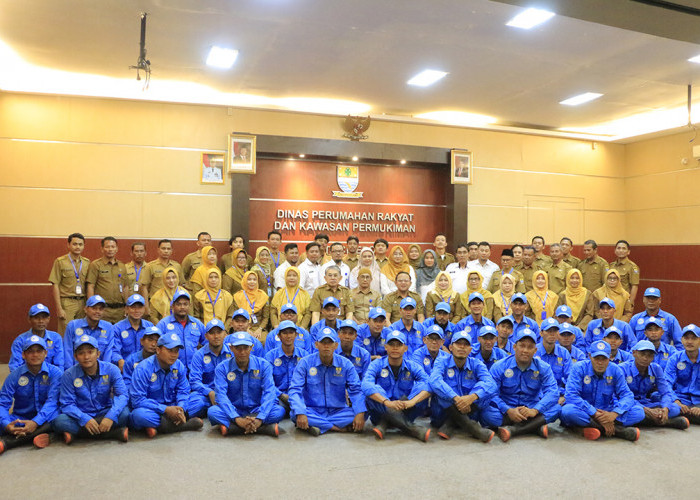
(384, 373)
(103, 333)
(608, 379)
(78, 382)
(105, 379)
(154, 377)
(587, 379)
(338, 371)
(231, 376)
(535, 374)
(125, 334)
(508, 373)
(207, 360)
(23, 381)
(278, 362)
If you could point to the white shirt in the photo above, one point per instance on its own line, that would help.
(392, 286)
(344, 272)
(459, 276)
(311, 276)
(279, 274)
(486, 270)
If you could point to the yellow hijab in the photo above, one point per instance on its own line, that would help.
(541, 299)
(296, 295)
(503, 298)
(234, 272)
(252, 300)
(202, 272)
(391, 269)
(215, 301)
(267, 268)
(575, 296)
(161, 300)
(445, 295)
(471, 289)
(618, 294)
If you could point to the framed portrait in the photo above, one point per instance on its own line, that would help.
(241, 154)
(212, 168)
(462, 163)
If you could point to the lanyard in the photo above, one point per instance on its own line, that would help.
(544, 303)
(264, 274)
(507, 304)
(138, 272)
(443, 298)
(252, 306)
(295, 295)
(277, 262)
(213, 302)
(76, 271)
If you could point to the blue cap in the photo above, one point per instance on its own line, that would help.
(170, 340)
(461, 335)
(327, 333)
(691, 328)
(94, 300)
(435, 330)
(613, 329)
(396, 335)
(348, 323)
(407, 302)
(519, 296)
(377, 312)
(644, 345)
(475, 296)
(38, 309)
(180, 292)
(509, 319)
(328, 301)
(526, 333)
(241, 338)
(85, 339)
(286, 325)
(567, 328)
(607, 301)
(487, 330)
(652, 292)
(654, 320)
(33, 340)
(288, 307)
(549, 323)
(214, 323)
(152, 330)
(600, 348)
(135, 299)
(443, 306)
(241, 312)
(564, 311)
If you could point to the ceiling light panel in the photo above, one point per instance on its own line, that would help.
(220, 57)
(530, 18)
(580, 99)
(427, 77)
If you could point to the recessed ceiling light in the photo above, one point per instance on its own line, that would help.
(580, 99)
(695, 59)
(403, 162)
(355, 158)
(302, 155)
(530, 18)
(426, 77)
(220, 57)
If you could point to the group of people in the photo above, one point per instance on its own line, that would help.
(340, 333)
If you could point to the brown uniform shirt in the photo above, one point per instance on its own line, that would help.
(495, 283)
(226, 261)
(276, 259)
(132, 280)
(444, 260)
(153, 274)
(629, 273)
(110, 280)
(351, 261)
(557, 276)
(542, 261)
(593, 272)
(342, 294)
(363, 301)
(392, 305)
(527, 273)
(191, 262)
(63, 275)
(572, 260)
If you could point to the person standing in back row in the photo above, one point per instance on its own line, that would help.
(67, 278)
(107, 277)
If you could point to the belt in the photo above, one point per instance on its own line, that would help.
(74, 297)
(115, 305)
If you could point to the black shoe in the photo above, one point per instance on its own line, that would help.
(446, 430)
(269, 430)
(380, 429)
(627, 433)
(677, 423)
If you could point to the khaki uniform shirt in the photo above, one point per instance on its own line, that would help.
(629, 273)
(191, 262)
(342, 294)
(276, 260)
(527, 273)
(133, 283)
(351, 261)
(572, 260)
(153, 274)
(444, 260)
(226, 262)
(363, 301)
(557, 276)
(392, 305)
(63, 275)
(110, 280)
(495, 283)
(593, 272)
(542, 261)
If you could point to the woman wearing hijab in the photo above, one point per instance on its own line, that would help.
(475, 281)
(379, 283)
(231, 281)
(441, 292)
(263, 268)
(503, 297)
(200, 275)
(256, 302)
(292, 293)
(542, 301)
(578, 298)
(161, 299)
(612, 289)
(427, 273)
(398, 262)
(414, 256)
(213, 302)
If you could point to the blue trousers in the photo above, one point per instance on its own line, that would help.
(17, 417)
(491, 416)
(218, 417)
(326, 418)
(377, 410)
(64, 423)
(197, 405)
(439, 415)
(142, 418)
(573, 416)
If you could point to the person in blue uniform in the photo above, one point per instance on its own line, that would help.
(204, 363)
(372, 335)
(127, 332)
(598, 399)
(654, 332)
(475, 320)
(240, 322)
(408, 325)
(462, 388)
(29, 398)
(431, 351)
(652, 308)
(518, 306)
(651, 389)
(329, 317)
(188, 328)
(567, 339)
(94, 398)
(149, 343)
(557, 357)
(504, 330)
(442, 319)
(94, 326)
(246, 396)
(613, 336)
(486, 350)
(39, 316)
(396, 390)
(597, 327)
(683, 373)
(284, 359)
(564, 314)
(159, 391)
(317, 393)
(349, 349)
(288, 312)
(527, 392)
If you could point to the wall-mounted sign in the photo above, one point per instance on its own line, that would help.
(348, 178)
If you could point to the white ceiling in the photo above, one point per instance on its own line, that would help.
(365, 51)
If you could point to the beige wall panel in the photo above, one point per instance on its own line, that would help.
(176, 216)
(497, 224)
(664, 226)
(604, 227)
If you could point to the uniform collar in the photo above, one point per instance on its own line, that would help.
(25, 369)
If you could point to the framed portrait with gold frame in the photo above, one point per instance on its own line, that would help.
(212, 168)
(241, 154)
(461, 166)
